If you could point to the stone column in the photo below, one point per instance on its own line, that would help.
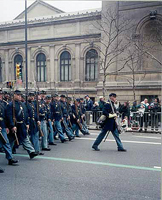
(52, 64)
(7, 75)
(77, 63)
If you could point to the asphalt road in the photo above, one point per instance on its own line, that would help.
(73, 171)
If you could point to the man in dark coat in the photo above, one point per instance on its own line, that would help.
(110, 125)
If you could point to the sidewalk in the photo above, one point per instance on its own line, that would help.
(96, 127)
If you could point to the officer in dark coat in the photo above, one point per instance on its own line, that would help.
(4, 130)
(22, 122)
(110, 125)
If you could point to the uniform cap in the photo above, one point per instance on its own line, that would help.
(63, 96)
(18, 92)
(112, 95)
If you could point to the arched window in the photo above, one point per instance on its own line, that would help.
(41, 67)
(0, 70)
(91, 65)
(18, 60)
(65, 66)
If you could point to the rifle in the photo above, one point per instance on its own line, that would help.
(68, 105)
(39, 128)
(3, 140)
(78, 121)
(14, 121)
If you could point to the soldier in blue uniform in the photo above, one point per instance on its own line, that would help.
(57, 117)
(33, 123)
(4, 130)
(49, 121)
(43, 117)
(76, 119)
(22, 122)
(83, 119)
(109, 125)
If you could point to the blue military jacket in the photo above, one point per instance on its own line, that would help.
(110, 123)
(49, 113)
(32, 116)
(21, 116)
(56, 110)
(43, 114)
(2, 115)
(74, 112)
(64, 109)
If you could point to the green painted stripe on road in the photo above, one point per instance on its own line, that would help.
(93, 162)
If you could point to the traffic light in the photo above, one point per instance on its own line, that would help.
(18, 71)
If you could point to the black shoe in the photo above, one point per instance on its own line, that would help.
(1, 170)
(122, 150)
(40, 153)
(64, 140)
(2, 150)
(46, 149)
(140, 130)
(12, 161)
(33, 154)
(77, 136)
(71, 138)
(56, 138)
(95, 148)
(52, 143)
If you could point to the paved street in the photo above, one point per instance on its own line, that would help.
(73, 171)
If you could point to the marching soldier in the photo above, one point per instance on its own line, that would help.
(4, 142)
(43, 117)
(66, 117)
(57, 117)
(109, 125)
(33, 123)
(17, 115)
(49, 121)
(83, 112)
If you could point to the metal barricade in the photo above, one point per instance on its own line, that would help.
(147, 121)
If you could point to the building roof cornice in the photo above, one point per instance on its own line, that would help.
(58, 17)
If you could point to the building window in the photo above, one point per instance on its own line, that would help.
(0, 70)
(18, 60)
(91, 65)
(65, 66)
(41, 67)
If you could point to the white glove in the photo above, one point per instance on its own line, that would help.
(112, 115)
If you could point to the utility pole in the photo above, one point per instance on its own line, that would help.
(26, 49)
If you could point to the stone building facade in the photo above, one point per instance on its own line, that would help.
(146, 21)
(64, 51)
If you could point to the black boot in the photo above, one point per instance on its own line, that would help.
(12, 162)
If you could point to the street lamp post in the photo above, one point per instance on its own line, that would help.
(26, 49)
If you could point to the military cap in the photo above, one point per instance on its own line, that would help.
(69, 98)
(86, 96)
(31, 94)
(18, 92)
(112, 95)
(81, 99)
(78, 100)
(5, 92)
(42, 92)
(55, 95)
(63, 96)
(23, 96)
(48, 97)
